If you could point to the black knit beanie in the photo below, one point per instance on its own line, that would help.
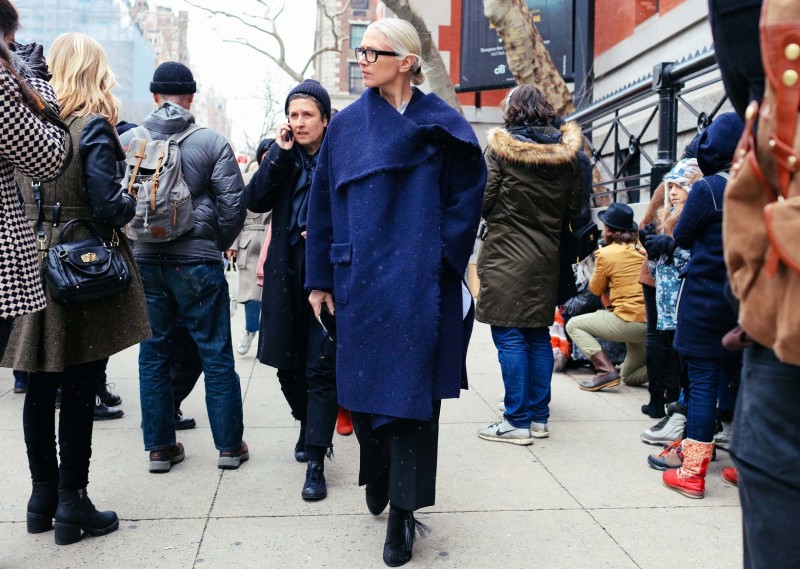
(313, 88)
(173, 78)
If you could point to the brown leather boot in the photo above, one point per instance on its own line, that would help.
(607, 375)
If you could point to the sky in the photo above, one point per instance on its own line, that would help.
(238, 72)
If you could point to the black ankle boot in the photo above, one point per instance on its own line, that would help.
(401, 529)
(315, 488)
(300, 454)
(76, 514)
(655, 408)
(378, 494)
(42, 506)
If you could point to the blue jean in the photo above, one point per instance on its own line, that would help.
(706, 375)
(526, 361)
(196, 294)
(252, 315)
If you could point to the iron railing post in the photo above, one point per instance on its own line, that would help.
(666, 88)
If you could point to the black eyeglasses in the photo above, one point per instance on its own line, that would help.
(371, 55)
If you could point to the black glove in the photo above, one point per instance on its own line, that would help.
(647, 231)
(657, 245)
(33, 54)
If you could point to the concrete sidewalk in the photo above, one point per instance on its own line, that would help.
(583, 498)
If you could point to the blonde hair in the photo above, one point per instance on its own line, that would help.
(667, 217)
(82, 78)
(404, 40)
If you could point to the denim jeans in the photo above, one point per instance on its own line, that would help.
(526, 361)
(705, 377)
(252, 315)
(766, 449)
(196, 294)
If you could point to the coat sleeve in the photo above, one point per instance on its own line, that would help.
(35, 147)
(227, 188)
(694, 217)
(598, 284)
(319, 225)
(463, 186)
(100, 150)
(269, 180)
(493, 182)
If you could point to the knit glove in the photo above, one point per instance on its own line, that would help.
(657, 245)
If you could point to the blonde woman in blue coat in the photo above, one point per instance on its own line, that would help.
(393, 213)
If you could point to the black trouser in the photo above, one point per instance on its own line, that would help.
(74, 426)
(766, 449)
(185, 365)
(5, 333)
(663, 365)
(323, 404)
(738, 51)
(401, 456)
(295, 389)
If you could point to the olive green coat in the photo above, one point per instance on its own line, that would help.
(529, 188)
(60, 336)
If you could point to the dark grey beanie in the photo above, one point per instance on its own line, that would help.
(316, 90)
(173, 78)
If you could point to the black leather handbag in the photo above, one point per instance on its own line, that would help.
(86, 270)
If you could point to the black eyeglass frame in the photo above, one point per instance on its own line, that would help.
(360, 51)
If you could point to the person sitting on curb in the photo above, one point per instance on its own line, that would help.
(616, 273)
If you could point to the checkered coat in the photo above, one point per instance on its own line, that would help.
(36, 149)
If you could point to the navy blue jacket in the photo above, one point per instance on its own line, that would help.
(704, 313)
(392, 218)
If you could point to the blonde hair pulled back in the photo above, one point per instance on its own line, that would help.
(404, 40)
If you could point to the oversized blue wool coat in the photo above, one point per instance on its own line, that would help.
(393, 212)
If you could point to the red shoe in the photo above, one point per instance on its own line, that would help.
(344, 423)
(730, 475)
(690, 478)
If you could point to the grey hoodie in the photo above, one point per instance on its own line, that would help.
(215, 182)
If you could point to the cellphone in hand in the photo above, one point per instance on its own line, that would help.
(328, 322)
(288, 136)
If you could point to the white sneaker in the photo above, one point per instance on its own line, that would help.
(723, 438)
(539, 430)
(666, 431)
(503, 431)
(501, 406)
(244, 344)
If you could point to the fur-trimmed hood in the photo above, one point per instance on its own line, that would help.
(511, 149)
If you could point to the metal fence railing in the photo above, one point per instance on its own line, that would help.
(632, 135)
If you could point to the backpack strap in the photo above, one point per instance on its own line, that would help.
(180, 137)
(139, 157)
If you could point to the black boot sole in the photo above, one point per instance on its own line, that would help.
(66, 534)
(39, 523)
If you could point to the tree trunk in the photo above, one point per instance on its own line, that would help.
(437, 75)
(528, 58)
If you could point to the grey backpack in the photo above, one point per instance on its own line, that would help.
(153, 176)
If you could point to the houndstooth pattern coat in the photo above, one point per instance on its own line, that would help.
(35, 148)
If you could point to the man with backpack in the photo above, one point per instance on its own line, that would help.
(171, 164)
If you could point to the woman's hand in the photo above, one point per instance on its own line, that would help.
(316, 300)
(284, 133)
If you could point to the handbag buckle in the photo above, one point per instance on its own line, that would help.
(89, 257)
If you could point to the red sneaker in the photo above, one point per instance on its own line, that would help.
(730, 475)
(344, 423)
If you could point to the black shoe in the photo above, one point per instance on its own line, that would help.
(300, 454)
(107, 397)
(103, 413)
(401, 530)
(182, 422)
(654, 411)
(161, 460)
(314, 489)
(76, 514)
(42, 506)
(20, 381)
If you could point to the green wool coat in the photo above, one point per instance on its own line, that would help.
(61, 336)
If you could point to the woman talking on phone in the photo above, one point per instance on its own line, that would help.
(290, 338)
(392, 219)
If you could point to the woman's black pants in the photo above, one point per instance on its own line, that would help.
(401, 456)
(74, 426)
(663, 366)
